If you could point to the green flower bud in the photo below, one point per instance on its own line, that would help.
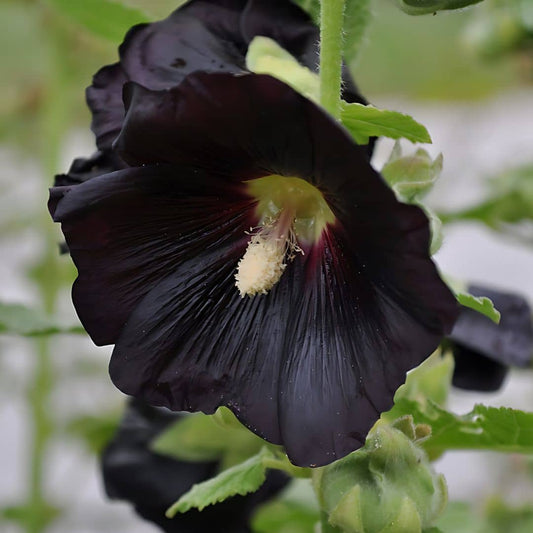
(388, 486)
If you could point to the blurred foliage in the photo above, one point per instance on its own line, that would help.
(496, 517)
(507, 207)
(204, 438)
(17, 319)
(95, 431)
(425, 57)
(47, 49)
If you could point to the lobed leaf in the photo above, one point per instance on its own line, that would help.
(498, 429)
(481, 304)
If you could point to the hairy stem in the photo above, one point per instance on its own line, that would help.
(331, 39)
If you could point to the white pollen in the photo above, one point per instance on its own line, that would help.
(261, 266)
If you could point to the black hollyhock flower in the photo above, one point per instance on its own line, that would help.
(246, 188)
(153, 482)
(484, 350)
(206, 35)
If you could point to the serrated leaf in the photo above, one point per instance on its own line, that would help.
(368, 121)
(18, 319)
(481, 304)
(105, 18)
(424, 7)
(240, 479)
(498, 429)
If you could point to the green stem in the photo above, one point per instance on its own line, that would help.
(53, 118)
(331, 39)
(38, 394)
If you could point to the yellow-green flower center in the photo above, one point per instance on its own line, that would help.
(275, 194)
(291, 212)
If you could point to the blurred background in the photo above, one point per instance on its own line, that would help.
(467, 76)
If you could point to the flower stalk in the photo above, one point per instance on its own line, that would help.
(331, 41)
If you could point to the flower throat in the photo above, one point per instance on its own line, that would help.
(291, 211)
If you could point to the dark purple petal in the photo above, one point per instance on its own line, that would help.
(128, 230)
(311, 364)
(511, 341)
(476, 372)
(83, 169)
(242, 126)
(484, 349)
(206, 35)
(287, 24)
(104, 98)
(152, 482)
(199, 36)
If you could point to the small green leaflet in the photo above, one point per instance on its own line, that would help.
(498, 429)
(368, 121)
(424, 7)
(240, 479)
(18, 319)
(481, 304)
(105, 18)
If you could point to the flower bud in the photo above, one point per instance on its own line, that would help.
(386, 486)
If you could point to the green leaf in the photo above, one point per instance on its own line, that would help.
(368, 121)
(18, 319)
(156, 9)
(424, 7)
(429, 381)
(201, 438)
(498, 429)
(266, 56)
(105, 18)
(509, 204)
(294, 511)
(481, 304)
(502, 517)
(240, 479)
